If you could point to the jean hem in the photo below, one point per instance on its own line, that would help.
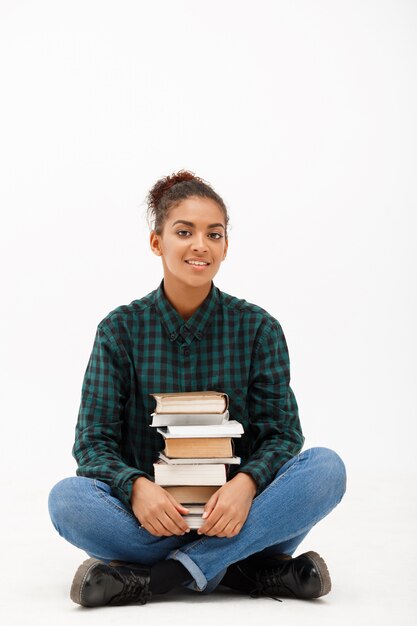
(199, 578)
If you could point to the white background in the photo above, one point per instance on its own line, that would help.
(302, 116)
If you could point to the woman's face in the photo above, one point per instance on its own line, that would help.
(194, 229)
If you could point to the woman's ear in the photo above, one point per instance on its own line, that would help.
(155, 243)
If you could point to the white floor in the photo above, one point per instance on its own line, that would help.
(368, 543)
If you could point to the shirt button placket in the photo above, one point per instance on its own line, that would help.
(187, 367)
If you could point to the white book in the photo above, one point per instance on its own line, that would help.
(188, 419)
(194, 521)
(203, 474)
(194, 509)
(231, 428)
(233, 460)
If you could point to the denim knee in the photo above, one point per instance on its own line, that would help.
(332, 466)
(62, 502)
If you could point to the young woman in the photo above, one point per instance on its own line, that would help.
(187, 335)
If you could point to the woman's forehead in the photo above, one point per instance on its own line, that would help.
(198, 211)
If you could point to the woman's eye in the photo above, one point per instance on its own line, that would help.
(217, 235)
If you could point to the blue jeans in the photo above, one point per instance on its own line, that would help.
(85, 512)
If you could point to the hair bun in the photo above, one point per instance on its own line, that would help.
(166, 183)
(170, 191)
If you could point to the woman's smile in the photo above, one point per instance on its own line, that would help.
(197, 267)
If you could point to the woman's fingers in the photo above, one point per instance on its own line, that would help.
(166, 523)
(174, 523)
(232, 528)
(214, 525)
(150, 528)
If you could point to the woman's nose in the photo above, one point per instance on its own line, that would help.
(199, 242)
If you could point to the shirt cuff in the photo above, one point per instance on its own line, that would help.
(122, 484)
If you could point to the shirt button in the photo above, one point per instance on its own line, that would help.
(173, 335)
(186, 351)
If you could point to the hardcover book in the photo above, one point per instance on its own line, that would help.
(191, 402)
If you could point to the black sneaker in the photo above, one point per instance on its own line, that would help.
(305, 577)
(97, 584)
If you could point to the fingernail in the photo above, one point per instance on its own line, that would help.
(204, 515)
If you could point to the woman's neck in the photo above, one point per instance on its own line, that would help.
(185, 300)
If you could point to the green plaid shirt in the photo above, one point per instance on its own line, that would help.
(228, 345)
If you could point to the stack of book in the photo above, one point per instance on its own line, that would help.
(198, 448)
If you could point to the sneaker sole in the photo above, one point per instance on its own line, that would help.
(323, 572)
(79, 578)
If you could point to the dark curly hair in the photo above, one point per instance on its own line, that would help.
(169, 191)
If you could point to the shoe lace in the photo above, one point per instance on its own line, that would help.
(271, 579)
(259, 588)
(135, 589)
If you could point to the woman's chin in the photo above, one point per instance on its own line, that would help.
(196, 280)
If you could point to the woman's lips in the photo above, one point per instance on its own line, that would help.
(197, 268)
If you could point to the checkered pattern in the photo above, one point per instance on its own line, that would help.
(146, 347)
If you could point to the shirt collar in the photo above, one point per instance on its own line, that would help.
(195, 326)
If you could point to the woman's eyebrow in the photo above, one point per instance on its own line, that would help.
(191, 224)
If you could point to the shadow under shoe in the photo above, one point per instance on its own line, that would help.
(304, 577)
(98, 584)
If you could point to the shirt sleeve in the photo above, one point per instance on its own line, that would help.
(98, 431)
(275, 429)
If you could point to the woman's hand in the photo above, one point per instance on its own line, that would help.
(228, 507)
(156, 509)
